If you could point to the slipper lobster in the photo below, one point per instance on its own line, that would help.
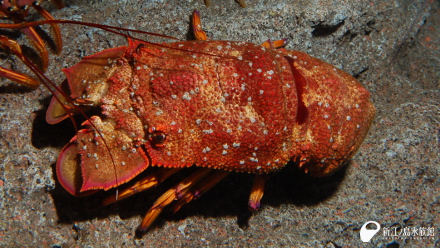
(219, 106)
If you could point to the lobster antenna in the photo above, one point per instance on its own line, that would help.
(111, 29)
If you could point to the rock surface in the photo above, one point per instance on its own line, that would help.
(392, 47)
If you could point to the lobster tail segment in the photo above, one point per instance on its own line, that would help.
(334, 114)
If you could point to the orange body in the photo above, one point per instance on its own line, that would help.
(225, 105)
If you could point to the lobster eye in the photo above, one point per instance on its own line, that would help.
(157, 138)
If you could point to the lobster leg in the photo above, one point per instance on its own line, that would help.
(20, 78)
(168, 197)
(36, 40)
(17, 11)
(56, 29)
(257, 192)
(275, 44)
(197, 27)
(201, 188)
(153, 179)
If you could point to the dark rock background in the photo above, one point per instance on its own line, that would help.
(392, 47)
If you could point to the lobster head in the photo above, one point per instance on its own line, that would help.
(99, 156)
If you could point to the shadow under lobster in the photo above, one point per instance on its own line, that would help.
(228, 198)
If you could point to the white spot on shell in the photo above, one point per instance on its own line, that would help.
(209, 131)
(253, 159)
(186, 96)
